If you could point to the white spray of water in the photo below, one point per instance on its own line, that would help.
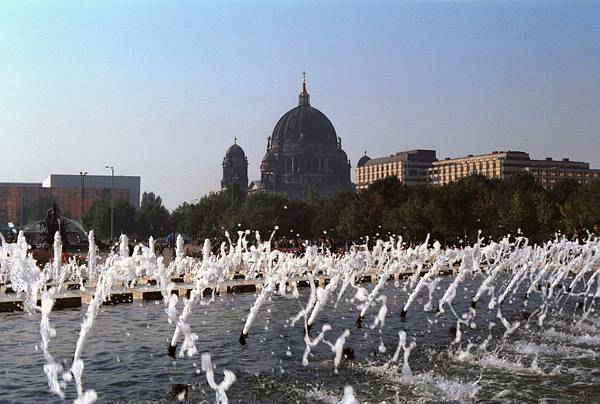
(406, 372)
(348, 397)
(380, 319)
(92, 257)
(338, 348)
(221, 388)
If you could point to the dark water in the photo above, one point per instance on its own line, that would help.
(125, 356)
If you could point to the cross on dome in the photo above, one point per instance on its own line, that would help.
(304, 96)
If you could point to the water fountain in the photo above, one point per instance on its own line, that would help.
(486, 312)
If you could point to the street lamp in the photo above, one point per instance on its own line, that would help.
(234, 181)
(82, 175)
(112, 201)
(272, 173)
(21, 206)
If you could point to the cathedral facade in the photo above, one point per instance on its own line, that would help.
(304, 155)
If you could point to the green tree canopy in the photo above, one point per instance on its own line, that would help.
(152, 219)
(452, 213)
(97, 218)
(582, 211)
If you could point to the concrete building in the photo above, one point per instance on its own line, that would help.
(127, 182)
(411, 167)
(494, 165)
(21, 203)
(15, 200)
(416, 167)
(503, 164)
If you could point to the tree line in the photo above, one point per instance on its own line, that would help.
(151, 219)
(452, 214)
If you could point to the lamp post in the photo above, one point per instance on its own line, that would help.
(82, 175)
(112, 201)
(21, 207)
(272, 174)
(234, 181)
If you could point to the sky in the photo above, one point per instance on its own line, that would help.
(160, 89)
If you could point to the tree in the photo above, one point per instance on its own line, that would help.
(582, 212)
(327, 211)
(180, 218)
(152, 218)
(449, 213)
(410, 220)
(520, 215)
(208, 213)
(97, 218)
(564, 190)
(364, 214)
(263, 211)
(549, 216)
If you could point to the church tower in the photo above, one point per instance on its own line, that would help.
(235, 168)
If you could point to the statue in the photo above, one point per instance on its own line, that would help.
(51, 225)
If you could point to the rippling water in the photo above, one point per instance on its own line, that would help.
(125, 357)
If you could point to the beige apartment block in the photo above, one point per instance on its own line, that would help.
(410, 167)
(416, 167)
(503, 164)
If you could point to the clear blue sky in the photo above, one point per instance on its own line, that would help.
(160, 89)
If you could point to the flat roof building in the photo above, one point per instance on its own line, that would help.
(22, 203)
(130, 183)
(416, 167)
(410, 167)
(503, 164)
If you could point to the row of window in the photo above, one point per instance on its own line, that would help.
(479, 166)
(381, 167)
(447, 172)
(542, 173)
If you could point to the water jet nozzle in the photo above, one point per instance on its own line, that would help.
(177, 389)
(452, 332)
(243, 338)
(171, 349)
(349, 354)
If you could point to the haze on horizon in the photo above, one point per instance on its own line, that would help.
(160, 89)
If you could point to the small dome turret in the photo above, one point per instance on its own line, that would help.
(235, 167)
(235, 151)
(363, 160)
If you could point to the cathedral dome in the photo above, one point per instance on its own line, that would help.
(304, 154)
(304, 124)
